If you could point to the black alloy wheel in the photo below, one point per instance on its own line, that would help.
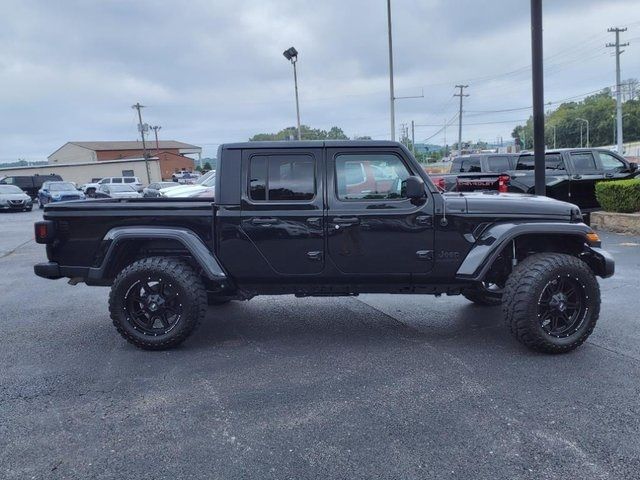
(153, 305)
(562, 306)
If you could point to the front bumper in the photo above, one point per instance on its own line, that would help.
(601, 262)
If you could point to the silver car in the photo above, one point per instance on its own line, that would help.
(119, 191)
(13, 198)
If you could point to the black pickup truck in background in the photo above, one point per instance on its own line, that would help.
(571, 175)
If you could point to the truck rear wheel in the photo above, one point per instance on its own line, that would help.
(157, 302)
(551, 302)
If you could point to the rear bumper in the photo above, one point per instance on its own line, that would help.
(53, 271)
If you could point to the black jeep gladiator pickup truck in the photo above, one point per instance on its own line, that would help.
(328, 218)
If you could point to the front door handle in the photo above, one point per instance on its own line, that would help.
(314, 256)
(346, 220)
(314, 221)
(263, 221)
(577, 177)
(609, 175)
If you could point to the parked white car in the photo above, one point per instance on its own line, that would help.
(115, 190)
(135, 182)
(207, 180)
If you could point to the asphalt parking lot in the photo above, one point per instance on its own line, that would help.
(376, 386)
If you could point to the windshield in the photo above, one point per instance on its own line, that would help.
(61, 187)
(121, 188)
(206, 177)
(9, 189)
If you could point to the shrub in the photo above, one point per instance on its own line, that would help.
(619, 195)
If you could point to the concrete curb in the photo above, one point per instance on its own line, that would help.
(616, 222)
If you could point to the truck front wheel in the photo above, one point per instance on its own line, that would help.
(157, 302)
(551, 302)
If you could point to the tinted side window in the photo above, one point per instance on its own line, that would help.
(611, 163)
(552, 161)
(129, 179)
(258, 178)
(370, 176)
(154, 186)
(282, 178)
(498, 164)
(583, 162)
(471, 165)
(116, 180)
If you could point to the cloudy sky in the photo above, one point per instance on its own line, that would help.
(212, 71)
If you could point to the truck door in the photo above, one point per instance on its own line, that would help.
(372, 228)
(585, 174)
(613, 167)
(283, 208)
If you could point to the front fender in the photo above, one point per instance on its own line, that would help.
(493, 241)
(192, 242)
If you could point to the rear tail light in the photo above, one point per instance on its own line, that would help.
(439, 183)
(503, 183)
(44, 231)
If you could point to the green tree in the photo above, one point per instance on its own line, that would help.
(307, 133)
(207, 167)
(598, 109)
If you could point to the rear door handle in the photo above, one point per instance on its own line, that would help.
(424, 220)
(346, 220)
(577, 177)
(314, 221)
(263, 221)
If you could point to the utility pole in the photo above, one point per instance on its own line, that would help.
(141, 127)
(392, 93)
(537, 78)
(413, 138)
(155, 129)
(460, 94)
(617, 46)
(554, 136)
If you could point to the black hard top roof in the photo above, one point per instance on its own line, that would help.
(312, 144)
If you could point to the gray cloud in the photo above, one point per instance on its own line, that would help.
(213, 71)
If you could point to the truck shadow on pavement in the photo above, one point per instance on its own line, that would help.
(319, 323)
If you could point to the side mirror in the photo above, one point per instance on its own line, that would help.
(414, 186)
(633, 166)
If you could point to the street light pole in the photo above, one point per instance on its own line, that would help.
(155, 129)
(587, 122)
(538, 97)
(392, 93)
(291, 54)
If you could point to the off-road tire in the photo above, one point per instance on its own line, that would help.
(186, 281)
(483, 298)
(523, 292)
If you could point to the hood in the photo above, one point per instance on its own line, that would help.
(14, 196)
(514, 205)
(59, 193)
(124, 195)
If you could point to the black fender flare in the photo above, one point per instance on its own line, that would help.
(495, 238)
(210, 265)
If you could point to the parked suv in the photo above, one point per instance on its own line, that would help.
(90, 188)
(30, 184)
(58, 192)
